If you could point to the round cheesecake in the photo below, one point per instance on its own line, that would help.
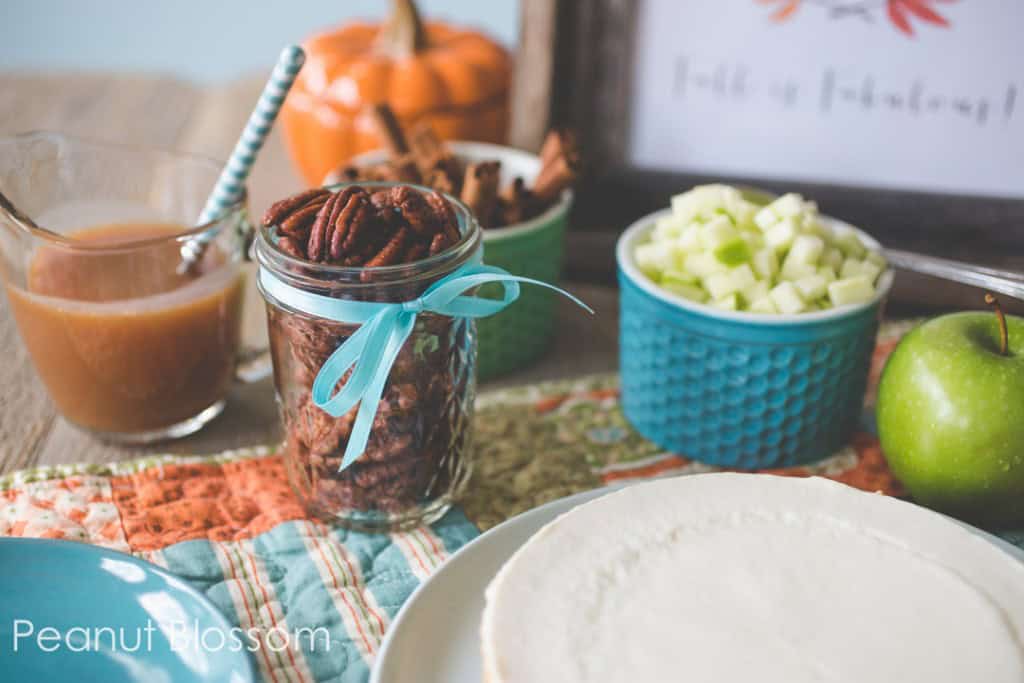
(736, 578)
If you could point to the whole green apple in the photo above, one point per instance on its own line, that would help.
(951, 416)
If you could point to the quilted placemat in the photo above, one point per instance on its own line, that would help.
(230, 525)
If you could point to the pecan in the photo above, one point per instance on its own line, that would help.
(391, 252)
(290, 246)
(439, 243)
(280, 210)
(324, 218)
(355, 220)
(298, 224)
(445, 215)
(416, 251)
(414, 209)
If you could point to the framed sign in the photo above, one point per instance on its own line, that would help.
(903, 116)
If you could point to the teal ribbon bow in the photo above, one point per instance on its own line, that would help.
(384, 328)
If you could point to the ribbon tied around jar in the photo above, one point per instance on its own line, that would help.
(384, 328)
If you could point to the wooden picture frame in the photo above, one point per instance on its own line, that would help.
(578, 57)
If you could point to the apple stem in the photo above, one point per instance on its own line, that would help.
(1004, 336)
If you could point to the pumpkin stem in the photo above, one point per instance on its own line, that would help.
(1004, 337)
(402, 33)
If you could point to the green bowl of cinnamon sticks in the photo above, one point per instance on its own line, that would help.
(522, 201)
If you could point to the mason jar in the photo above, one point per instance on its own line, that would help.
(416, 459)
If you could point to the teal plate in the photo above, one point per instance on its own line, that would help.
(75, 611)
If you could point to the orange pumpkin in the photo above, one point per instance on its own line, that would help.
(456, 79)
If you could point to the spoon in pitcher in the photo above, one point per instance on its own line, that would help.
(8, 206)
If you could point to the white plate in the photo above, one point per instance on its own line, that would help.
(435, 636)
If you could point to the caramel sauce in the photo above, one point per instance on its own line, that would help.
(122, 341)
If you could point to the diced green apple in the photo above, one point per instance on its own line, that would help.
(787, 299)
(765, 218)
(721, 248)
(691, 292)
(782, 234)
(734, 252)
(850, 244)
(674, 276)
(806, 249)
(744, 213)
(728, 303)
(870, 270)
(788, 205)
(668, 227)
(766, 263)
(689, 239)
(719, 285)
(702, 264)
(833, 258)
(794, 269)
(763, 305)
(811, 287)
(716, 232)
(853, 290)
(653, 258)
(876, 258)
(754, 238)
(758, 290)
(743, 276)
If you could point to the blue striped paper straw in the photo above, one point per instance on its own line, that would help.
(232, 179)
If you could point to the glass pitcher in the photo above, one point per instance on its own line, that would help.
(128, 347)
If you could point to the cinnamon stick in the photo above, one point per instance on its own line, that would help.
(553, 179)
(480, 189)
(517, 203)
(389, 130)
(559, 165)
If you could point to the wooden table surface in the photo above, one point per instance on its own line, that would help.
(164, 112)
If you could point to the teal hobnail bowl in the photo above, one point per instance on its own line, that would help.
(535, 248)
(740, 390)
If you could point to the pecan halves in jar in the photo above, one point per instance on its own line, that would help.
(282, 209)
(353, 224)
(414, 209)
(356, 228)
(325, 217)
(290, 246)
(438, 244)
(444, 215)
(299, 223)
(392, 250)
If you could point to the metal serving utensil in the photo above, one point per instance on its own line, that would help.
(992, 279)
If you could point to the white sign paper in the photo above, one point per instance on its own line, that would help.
(834, 91)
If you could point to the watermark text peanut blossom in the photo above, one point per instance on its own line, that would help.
(179, 636)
